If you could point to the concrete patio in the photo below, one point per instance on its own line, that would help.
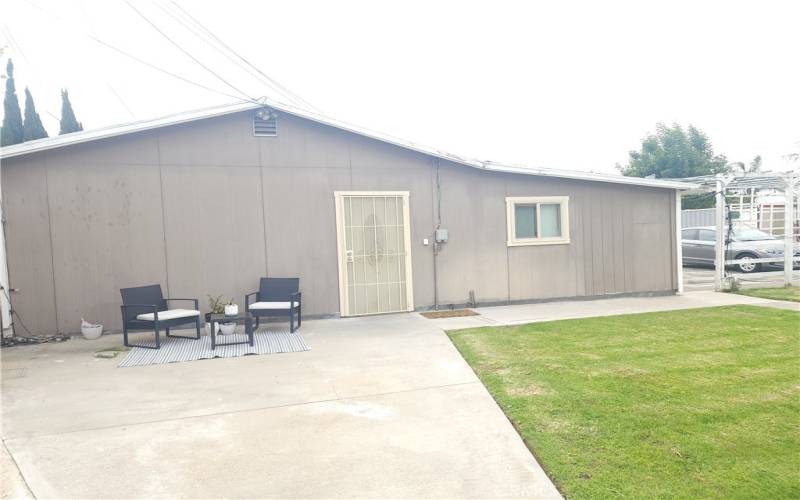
(382, 406)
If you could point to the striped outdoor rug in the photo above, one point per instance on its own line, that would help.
(174, 350)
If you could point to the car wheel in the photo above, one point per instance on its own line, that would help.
(746, 266)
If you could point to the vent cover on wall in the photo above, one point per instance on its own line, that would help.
(265, 123)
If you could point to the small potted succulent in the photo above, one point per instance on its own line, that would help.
(221, 305)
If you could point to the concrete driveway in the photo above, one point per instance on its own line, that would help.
(380, 407)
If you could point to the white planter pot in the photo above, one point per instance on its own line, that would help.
(227, 328)
(231, 310)
(92, 332)
(208, 328)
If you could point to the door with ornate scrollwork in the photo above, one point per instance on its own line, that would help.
(374, 252)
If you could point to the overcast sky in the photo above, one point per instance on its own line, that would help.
(571, 85)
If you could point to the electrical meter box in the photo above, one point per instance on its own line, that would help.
(441, 236)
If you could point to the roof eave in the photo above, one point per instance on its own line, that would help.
(177, 119)
(591, 176)
(117, 130)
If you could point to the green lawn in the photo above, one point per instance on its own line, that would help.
(788, 293)
(697, 403)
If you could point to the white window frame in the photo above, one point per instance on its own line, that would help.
(512, 201)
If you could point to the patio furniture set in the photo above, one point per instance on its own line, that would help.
(146, 308)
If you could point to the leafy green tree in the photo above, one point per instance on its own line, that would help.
(32, 126)
(673, 152)
(68, 121)
(12, 132)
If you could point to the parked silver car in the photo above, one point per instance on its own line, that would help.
(746, 243)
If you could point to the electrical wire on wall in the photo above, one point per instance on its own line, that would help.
(30, 338)
(436, 243)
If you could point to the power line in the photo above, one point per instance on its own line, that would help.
(119, 98)
(167, 72)
(246, 98)
(178, 46)
(277, 84)
(13, 41)
(60, 19)
(211, 34)
(15, 46)
(202, 36)
(208, 41)
(135, 58)
(90, 24)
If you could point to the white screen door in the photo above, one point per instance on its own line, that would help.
(374, 252)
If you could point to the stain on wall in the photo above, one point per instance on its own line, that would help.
(207, 208)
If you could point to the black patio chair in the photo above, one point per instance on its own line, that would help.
(145, 308)
(276, 297)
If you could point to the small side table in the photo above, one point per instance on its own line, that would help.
(244, 318)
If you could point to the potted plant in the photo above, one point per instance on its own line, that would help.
(227, 328)
(221, 305)
(90, 331)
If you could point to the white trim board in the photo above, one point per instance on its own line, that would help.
(512, 201)
(201, 114)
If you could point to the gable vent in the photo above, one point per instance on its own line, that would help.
(265, 123)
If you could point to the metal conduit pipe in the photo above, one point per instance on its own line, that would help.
(435, 243)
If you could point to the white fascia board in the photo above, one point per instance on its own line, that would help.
(591, 176)
(487, 165)
(117, 130)
(200, 114)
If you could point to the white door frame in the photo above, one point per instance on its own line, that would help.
(339, 196)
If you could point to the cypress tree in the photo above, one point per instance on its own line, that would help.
(32, 127)
(12, 120)
(68, 121)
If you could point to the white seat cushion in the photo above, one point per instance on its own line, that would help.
(169, 314)
(272, 305)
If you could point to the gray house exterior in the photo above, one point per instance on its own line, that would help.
(201, 205)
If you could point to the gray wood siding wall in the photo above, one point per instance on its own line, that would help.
(206, 208)
(621, 240)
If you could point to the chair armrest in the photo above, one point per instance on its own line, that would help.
(124, 309)
(196, 304)
(247, 300)
(295, 297)
(151, 306)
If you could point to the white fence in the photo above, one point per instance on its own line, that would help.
(768, 217)
(698, 217)
(765, 202)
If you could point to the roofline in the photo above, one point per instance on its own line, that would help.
(116, 130)
(590, 176)
(200, 114)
